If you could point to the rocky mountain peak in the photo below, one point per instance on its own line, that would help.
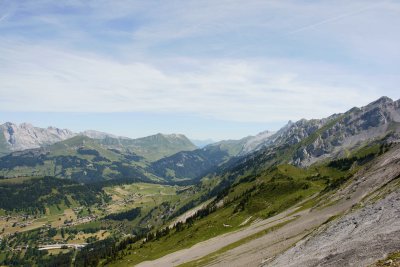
(331, 136)
(26, 136)
(381, 100)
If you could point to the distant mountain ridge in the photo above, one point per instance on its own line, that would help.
(153, 147)
(306, 142)
(18, 137)
(329, 137)
(14, 137)
(175, 158)
(300, 143)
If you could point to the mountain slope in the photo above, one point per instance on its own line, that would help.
(152, 147)
(79, 158)
(190, 164)
(349, 130)
(246, 208)
(258, 226)
(197, 163)
(308, 141)
(354, 162)
(89, 160)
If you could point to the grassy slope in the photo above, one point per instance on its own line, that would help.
(260, 196)
(68, 159)
(275, 191)
(157, 146)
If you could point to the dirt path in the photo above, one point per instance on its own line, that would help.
(190, 213)
(209, 246)
(256, 251)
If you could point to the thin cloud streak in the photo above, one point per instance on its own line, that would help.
(333, 19)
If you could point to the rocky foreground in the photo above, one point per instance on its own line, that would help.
(357, 239)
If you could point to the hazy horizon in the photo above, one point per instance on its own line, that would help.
(109, 124)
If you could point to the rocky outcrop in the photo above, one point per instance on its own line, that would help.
(26, 136)
(357, 239)
(318, 139)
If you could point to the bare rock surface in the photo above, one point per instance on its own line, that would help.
(357, 239)
(25, 136)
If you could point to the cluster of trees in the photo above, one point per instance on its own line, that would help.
(43, 259)
(129, 215)
(88, 151)
(110, 249)
(107, 249)
(345, 164)
(332, 184)
(34, 257)
(245, 197)
(201, 213)
(33, 196)
(16, 159)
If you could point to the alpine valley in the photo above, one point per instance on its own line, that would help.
(320, 192)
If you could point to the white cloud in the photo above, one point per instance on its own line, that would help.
(42, 79)
(149, 72)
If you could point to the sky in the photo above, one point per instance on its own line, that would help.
(208, 69)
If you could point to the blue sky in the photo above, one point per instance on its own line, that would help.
(208, 69)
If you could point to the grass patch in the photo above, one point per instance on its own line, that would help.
(206, 228)
(392, 260)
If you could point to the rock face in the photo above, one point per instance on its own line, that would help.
(350, 129)
(320, 138)
(25, 136)
(357, 239)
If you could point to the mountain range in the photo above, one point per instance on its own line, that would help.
(175, 157)
(14, 137)
(318, 192)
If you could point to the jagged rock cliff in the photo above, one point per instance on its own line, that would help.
(344, 131)
(316, 139)
(25, 136)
